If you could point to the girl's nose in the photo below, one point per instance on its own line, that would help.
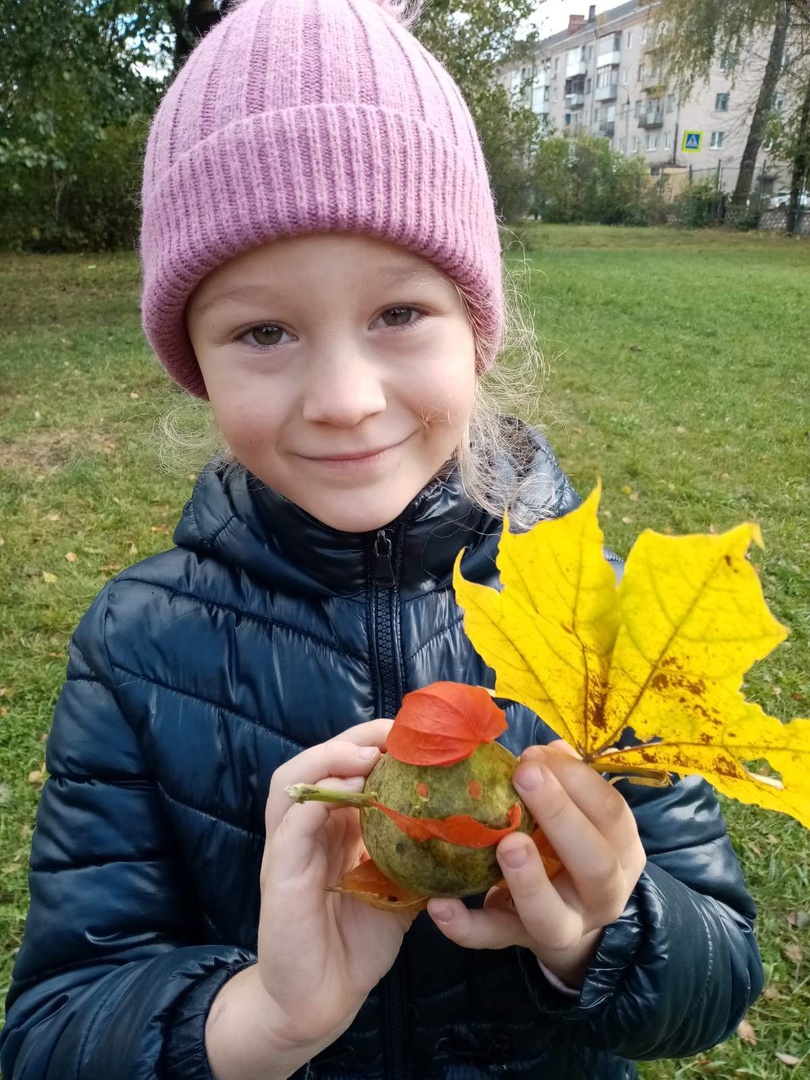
(342, 391)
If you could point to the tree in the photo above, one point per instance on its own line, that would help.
(701, 31)
(74, 103)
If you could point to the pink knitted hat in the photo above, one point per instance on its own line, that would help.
(302, 116)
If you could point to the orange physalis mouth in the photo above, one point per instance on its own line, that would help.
(444, 723)
(458, 829)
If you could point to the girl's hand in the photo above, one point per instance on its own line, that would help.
(593, 832)
(319, 953)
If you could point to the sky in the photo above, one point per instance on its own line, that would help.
(552, 15)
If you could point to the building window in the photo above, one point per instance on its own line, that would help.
(628, 39)
(556, 64)
(587, 86)
(622, 146)
(609, 43)
(607, 76)
(670, 102)
(640, 72)
(667, 140)
(718, 138)
(634, 145)
(568, 119)
(637, 108)
(721, 102)
(652, 140)
(728, 60)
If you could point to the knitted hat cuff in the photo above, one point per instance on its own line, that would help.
(316, 168)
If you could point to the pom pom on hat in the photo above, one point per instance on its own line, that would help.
(302, 116)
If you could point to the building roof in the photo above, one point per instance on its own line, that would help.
(602, 21)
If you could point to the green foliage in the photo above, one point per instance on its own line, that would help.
(582, 179)
(697, 205)
(74, 102)
(472, 38)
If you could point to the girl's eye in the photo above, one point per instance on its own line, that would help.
(399, 316)
(266, 334)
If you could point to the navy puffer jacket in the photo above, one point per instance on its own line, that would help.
(191, 678)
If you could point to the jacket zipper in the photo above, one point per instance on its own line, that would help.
(384, 611)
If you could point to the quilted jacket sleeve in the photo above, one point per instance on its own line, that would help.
(677, 971)
(107, 982)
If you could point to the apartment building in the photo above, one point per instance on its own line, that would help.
(603, 75)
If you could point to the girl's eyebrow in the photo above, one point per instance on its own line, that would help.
(239, 292)
(385, 278)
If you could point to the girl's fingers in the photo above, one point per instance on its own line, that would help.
(599, 801)
(487, 928)
(352, 753)
(594, 855)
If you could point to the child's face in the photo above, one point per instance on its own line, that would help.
(341, 371)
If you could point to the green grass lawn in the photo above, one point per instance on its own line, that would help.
(678, 374)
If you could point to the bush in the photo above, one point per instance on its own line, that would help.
(89, 200)
(582, 179)
(698, 205)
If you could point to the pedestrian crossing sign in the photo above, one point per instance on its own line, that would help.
(691, 140)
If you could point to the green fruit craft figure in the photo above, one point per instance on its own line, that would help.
(437, 803)
(479, 786)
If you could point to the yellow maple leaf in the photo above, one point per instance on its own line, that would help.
(663, 653)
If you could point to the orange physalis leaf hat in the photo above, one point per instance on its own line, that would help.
(444, 723)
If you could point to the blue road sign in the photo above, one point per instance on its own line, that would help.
(691, 140)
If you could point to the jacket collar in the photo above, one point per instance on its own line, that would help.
(234, 515)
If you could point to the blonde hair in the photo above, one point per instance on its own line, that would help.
(495, 452)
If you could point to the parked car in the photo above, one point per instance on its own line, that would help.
(782, 198)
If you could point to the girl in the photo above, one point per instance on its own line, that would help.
(321, 262)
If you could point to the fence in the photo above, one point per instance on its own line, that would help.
(711, 190)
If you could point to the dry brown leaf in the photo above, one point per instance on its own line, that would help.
(71, 556)
(770, 993)
(747, 1033)
(35, 776)
(633, 496)
(793, 953)
(799, 919)
(49, 578)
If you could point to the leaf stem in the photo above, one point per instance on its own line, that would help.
(301, 793)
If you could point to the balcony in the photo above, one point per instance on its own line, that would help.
(572, 69)
(609, 59)
(653, 80)
(606, 93)
(541, 108)
(651, 118)
(605, 128)
(575, 101)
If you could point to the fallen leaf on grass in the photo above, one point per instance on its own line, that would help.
(770, 993)
(159, 529)
(793, 953)
(789, 1059)
(799, 919)
(747, 1033)
(71, 556)
(49, 578)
